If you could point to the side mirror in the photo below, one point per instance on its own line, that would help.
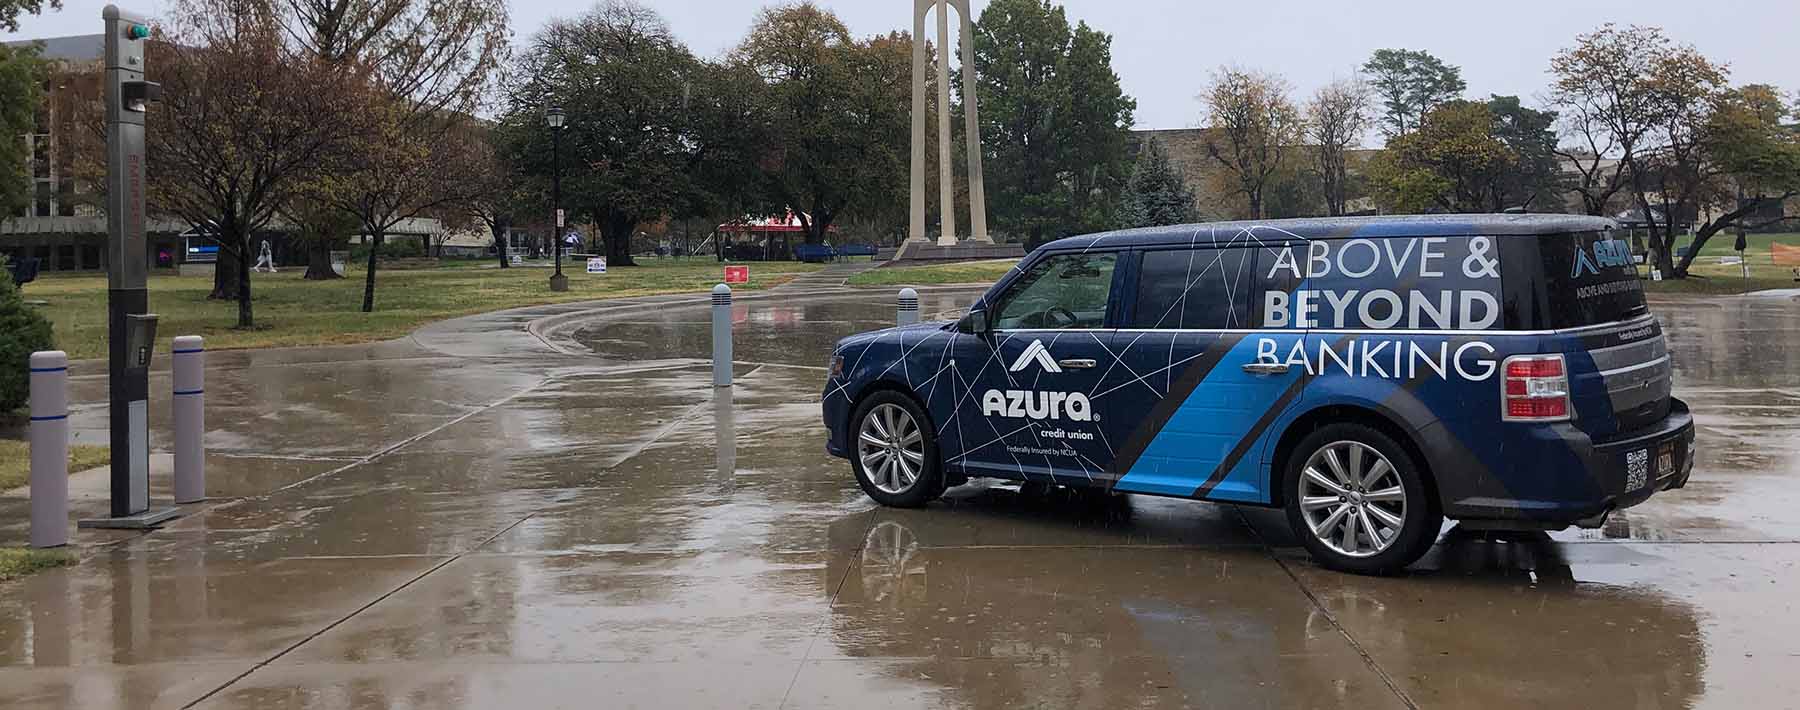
(976, 323)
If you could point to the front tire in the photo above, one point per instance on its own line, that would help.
(1358, 501)
(894, 451)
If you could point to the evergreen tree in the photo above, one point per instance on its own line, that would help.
(1054, 121)
(1157, 194)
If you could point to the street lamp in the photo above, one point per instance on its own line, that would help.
(555, 118)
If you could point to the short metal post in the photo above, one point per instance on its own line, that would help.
(721, 335)
(49, 449)
(189, 365)
(907, 311)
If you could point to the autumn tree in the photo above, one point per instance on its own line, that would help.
(1337, 116)
(1157, 193)
(1748, 161)
(495, 190)
(1588, 149)
(837, 110)
(1055, 122)
(1444, 165)
(1685, 89)
(1409, 84)
(427, 65)
(1251, 126)
(1606, 81)
(242, 127)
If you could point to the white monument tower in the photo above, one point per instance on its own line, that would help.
(971, 127)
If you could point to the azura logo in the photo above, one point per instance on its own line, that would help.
(1030, 404)
(1035, 353)
(1607, 253)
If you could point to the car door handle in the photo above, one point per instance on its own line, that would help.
(1265, 368)
(1076, 363)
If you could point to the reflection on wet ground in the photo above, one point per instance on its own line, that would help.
(590, 532)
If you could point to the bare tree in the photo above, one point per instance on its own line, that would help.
(1251, 124)
(1599, 174)
(241, 128)
(1336, 119)
(1606, 79)
(429, 64)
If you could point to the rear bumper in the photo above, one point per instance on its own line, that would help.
(1619, 473)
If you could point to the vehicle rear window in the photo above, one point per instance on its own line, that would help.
(1589, 278)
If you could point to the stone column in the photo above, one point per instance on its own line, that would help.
(972, 130)
(915, 230)
(946, 171)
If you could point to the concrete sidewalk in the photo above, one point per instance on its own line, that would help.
(553, 508)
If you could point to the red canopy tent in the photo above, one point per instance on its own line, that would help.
(767, 230)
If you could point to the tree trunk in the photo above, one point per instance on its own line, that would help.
(243, 290)
(318, 262)
(1706, 231)
(616, 232)
(1256, 204)
(225, 280)
(499, 244)
(817, 229)
(369, 277)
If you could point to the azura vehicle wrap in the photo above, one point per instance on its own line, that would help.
(1199, 354)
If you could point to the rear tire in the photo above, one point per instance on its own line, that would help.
(893, 451)
(1358, 501)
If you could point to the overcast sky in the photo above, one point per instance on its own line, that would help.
(1163, 49)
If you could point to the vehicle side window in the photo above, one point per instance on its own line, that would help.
(1208, 289)
(1062, 291)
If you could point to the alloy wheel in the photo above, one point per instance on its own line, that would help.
(891, 448)
(1352, 499)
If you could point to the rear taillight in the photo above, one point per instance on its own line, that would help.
(1535, 389)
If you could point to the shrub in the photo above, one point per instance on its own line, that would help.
(22, 332)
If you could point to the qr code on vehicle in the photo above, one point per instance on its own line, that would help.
(1637, 469)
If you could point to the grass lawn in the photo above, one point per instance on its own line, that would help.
(290, 311)
(1708, 276)
(983, 272)
(15, 461)
(17, 562)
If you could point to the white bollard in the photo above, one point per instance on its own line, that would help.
(907, 308)
(721, 335)
(188, 363)
(49, 449)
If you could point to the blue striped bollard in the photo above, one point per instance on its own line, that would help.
(721, 335)
(906, 310)
(188, 363)
(49, 449)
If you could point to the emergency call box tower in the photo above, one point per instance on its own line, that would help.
(130, 329)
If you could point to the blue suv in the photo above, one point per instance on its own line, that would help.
(1371, 376)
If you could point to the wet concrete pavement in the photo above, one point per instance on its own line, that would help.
(553, 508)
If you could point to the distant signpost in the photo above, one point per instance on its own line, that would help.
(596, 265)
(737, 274)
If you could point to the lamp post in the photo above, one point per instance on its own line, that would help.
(555, 118)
